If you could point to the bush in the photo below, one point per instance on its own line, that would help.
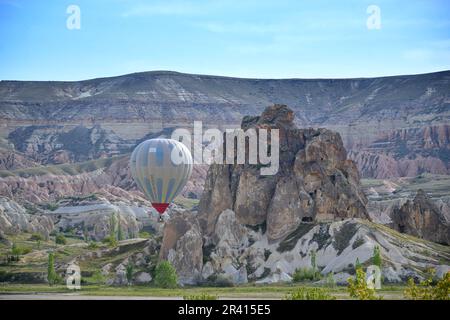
(165, 275)
(98, 277)
(144, 234)
(111, 241)
(93, 245)
(426, 291)
(129, 272)
(330, 282)
(201, 296)
(304, 293)
(220, 280)
(18, 250)
(305, 274)
(358, 287)
(60, 239)
(36, 237)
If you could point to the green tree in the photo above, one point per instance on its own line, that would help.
(426, 291)
(358, 288)
(60, 239)
(313, 263)
(119, 230)
(112, 227)
(129, 272)
(85, 233)
(357, 264)
(313, 259)
(376, 257)
(330, 282)
(52, 277)
(165, 275)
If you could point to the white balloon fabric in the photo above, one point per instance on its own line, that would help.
(161, 168)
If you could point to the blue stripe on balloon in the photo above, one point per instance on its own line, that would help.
(160, 154)
(170, 189)
(149, 188)
(159, 185)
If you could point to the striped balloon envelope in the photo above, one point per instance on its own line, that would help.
(161, 168)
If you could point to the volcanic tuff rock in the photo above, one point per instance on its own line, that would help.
(14, 219)
(182, 247)
(422, 218)
(315, 181)
(405, 152)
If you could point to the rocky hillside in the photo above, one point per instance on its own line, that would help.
(252, 228)
(238, 253)
(393, 126)
(406, 153)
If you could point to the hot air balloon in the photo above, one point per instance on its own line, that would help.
(161, 168)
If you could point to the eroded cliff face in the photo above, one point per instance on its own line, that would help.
(111, 115)
(422, 218)
(405, 153)
(315, 181)
(14, 219)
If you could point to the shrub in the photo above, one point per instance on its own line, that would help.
(36, 237)
(304, 293)
(98, 277)
(201, 296)
(305, 274)
(144, 234)
(60, 239)
(18, 250)
(358, 287)
(165, 275)
(221, 280)
(330, 282)
(111, 241)
(129, 273)
(426, 291)
(93, 245)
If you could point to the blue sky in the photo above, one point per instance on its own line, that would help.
(243, 38)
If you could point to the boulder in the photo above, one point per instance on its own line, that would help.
(182, 247)
(142, 278)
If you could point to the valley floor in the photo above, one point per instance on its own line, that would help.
(44, 292)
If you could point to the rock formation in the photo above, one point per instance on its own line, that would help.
(422, 218)
(15, 219)
(182, 246)
(315, 181)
